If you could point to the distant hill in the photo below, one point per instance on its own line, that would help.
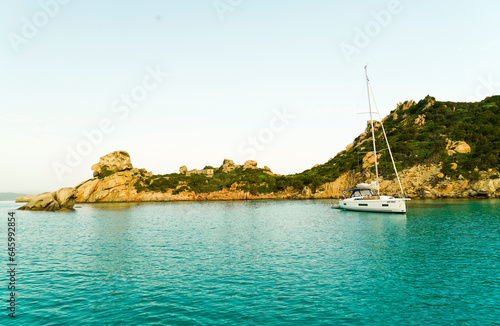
(10, 195)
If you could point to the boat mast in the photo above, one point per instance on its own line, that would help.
(387, 142)
(373, 130)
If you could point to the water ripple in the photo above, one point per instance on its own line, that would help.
(259, 263)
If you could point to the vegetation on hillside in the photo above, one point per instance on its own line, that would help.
(254, 181)
(413, 142)
(417, 132)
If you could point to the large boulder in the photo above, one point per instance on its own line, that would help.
(486, 187)
(65, 197)
(60, 200)
(267, 170)
(369, 159)
(41, 202)
(228, 165)
(112, 162)
(454, 147)
(420, 120)
(250, 164)
(463, 148)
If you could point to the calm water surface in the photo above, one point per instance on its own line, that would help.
(256, 263)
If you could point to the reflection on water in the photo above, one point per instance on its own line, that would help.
(433, 203)
(110, 206)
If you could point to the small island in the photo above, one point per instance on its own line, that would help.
(443, 150)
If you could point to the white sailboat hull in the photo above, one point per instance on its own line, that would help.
(382, 204)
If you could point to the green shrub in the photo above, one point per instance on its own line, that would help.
(104, 172)
(139, 187)
(179, 190)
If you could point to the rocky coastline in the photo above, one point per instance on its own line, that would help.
(442, 150)
(61, 200)
(114, 179)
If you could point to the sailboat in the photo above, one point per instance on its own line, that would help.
(366, 197)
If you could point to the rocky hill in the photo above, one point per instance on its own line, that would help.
(442, 150)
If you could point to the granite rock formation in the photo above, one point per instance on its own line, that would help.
(60, 200)
(113, 162)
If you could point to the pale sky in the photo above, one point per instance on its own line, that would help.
(193, 82)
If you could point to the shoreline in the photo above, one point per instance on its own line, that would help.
(264, 199)
(115, 180)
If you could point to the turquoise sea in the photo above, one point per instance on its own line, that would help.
(255, 263)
